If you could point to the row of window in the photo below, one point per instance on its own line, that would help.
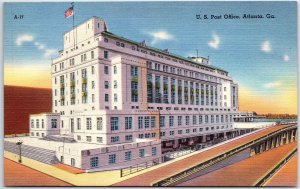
(83, 58)
(37, 134)
(179, 71)
(187, 131)
(176, 91)
(201, 119)
(38, 121)
(128, 156)
(149, 121)
(133, 47)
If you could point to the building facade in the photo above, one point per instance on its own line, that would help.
(112, 91)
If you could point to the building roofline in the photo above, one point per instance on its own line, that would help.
(161, 51)
(75, 26)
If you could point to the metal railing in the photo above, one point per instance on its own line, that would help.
(266, 177)
(139, 167)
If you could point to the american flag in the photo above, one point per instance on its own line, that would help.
(69, 12)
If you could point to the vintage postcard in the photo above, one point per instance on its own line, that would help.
(150, 93)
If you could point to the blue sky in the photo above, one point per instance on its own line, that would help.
(260, 54)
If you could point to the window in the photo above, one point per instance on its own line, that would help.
(154, 151)
(152, 121)
(112, 159)
(171, 121)
(206, 119)
(114, 139)
(179, 120)
(106, 84)
(134, 91)
(162, 121)
(134, 71)
(93, 84)
(128, 137)
(194, 120)
(141, 136)
(187, 131)
(32, 123)
(115, 97)
(42, 123)
(212, 118)
(99, 123)
(37, 123)
(115, 69)
(94, 162)
(141, 153)
(106, 69)
(115, 84)
(72, 161)
(128, 123)
(99, 139)
(88, 124)
(179, 132)
(88, 138)
(140, 122)
(106, 98)
(147, 122)
(106, 54)
(114, 123)
(93, 98)
(78, 124)
(53, 123)
(93, 70)
(187, 120)
(92, 54)
(153, 135)
(128, 156)
(200, 119)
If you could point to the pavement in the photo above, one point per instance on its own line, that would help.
(16, 174)
(286, 176)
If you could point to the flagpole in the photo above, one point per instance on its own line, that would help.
(73, 24)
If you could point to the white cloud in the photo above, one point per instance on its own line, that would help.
(24, 38)
(271, 85)
(39, 45)
(161, 36)
(286, 58)
(50, 52)
(215, 42)
(266, 47)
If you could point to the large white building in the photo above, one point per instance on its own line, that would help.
(131, 100)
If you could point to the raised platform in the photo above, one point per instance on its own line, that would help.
(59, 138)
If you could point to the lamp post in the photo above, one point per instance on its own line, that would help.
(19, 143)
